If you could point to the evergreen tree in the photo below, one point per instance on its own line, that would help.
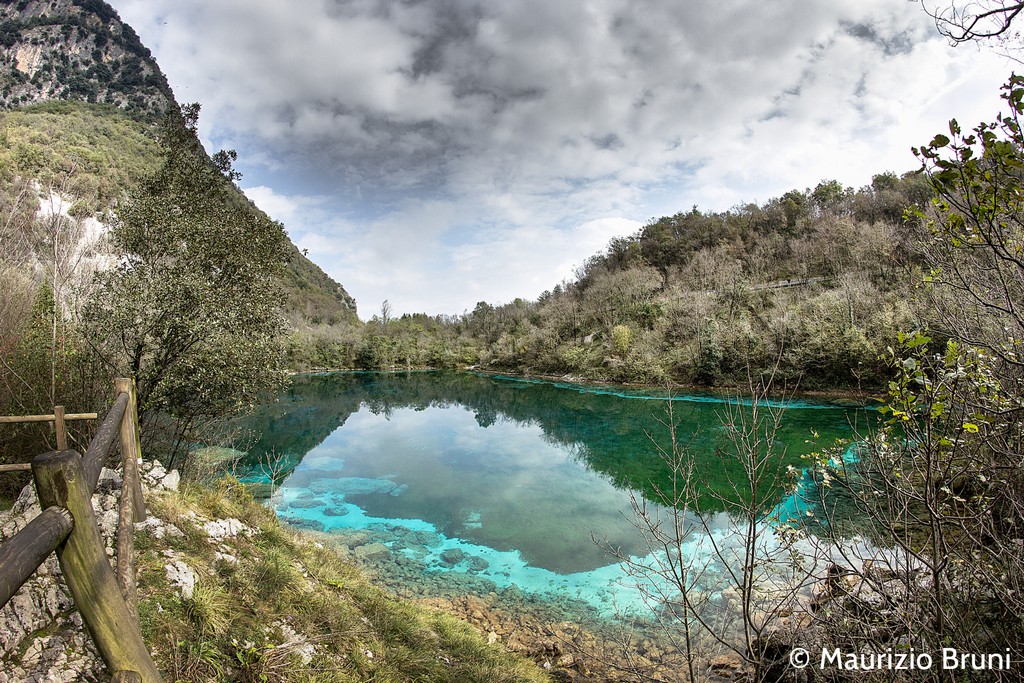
(191, 309)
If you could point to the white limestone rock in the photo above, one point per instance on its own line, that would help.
(225, 557)
(225, 528)
(107, 522)
(171, 481)
(159, 528)
(296, 643)
(181, 575)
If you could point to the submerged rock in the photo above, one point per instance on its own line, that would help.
(305, 503)
(422, 538)
(303, 523)
(473, 521)
(354, 539)
(355, 486)
(304, 477)
(475, 563)
(320, 486)
(372, 551)
(335, 512)
(453, 556)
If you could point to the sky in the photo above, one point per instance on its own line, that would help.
(438, 153)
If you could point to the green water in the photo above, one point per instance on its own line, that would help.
(520, 475)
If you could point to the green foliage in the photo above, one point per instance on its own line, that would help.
(313, 298)
(709, 357)
(810, 286)
(191, 309)
(622, 339)
(45, 362)
(942, 479)
(977, 229)
(828, 195)
(376, 352)
(91, 152)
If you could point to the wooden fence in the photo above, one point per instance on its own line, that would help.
(65, 482)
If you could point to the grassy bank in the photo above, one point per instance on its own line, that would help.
(227, 593)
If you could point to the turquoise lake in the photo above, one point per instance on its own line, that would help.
(497, 482)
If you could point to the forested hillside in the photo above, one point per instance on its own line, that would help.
(90, 134)
(810, 286)
(68, 172)
(59, 55)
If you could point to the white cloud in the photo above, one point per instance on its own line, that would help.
(463, 143)
(278, 206)
(414, 259)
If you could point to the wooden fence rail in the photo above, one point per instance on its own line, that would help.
(58, 418)
(65, 482)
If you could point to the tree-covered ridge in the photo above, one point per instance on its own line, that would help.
(92, 153)
(313, 297)
(200, 294)
(77, 50)
(811, 285)
(785, 238)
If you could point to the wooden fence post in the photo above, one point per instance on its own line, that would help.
(132, 506)
(131, 447)
(60, 428)
(60, 481)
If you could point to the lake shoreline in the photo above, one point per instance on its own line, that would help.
(482, 493)
(848, 397)
(837, 395)
(557, 632)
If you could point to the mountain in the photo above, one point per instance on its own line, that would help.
(77, 50)
(56, 53)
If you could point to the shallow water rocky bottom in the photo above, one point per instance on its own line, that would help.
(571, 638)
(389, 555)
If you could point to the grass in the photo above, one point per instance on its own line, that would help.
(275, 606)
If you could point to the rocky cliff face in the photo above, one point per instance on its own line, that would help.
(81, 50)
(76, 50)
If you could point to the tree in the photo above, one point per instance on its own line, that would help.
(976, 288)
(978, 20)
(190, 311)
(977, 278)
(941, 482)
(721, 573)
(385, 312)
(828, 195)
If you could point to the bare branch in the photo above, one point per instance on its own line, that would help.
(976, 20)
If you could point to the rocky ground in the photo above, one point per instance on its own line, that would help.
(42, 639)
